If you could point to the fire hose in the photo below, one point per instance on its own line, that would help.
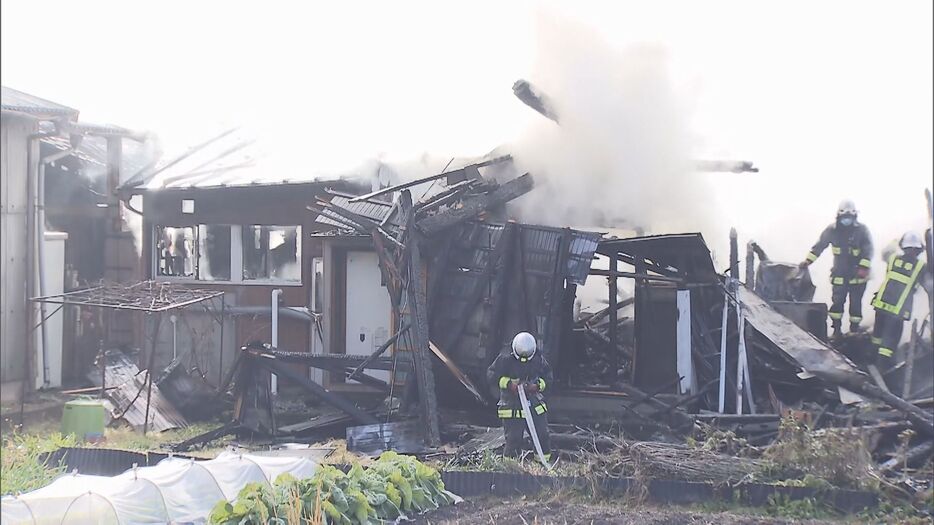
(530, 423)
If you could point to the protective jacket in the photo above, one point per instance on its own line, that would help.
(902, 278)
(533, 370)
(852, 249)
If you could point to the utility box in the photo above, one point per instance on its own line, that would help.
(84, 418)
(49, 375)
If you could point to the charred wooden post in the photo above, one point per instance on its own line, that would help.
(418, 305)
(734, 255)
(750, 265)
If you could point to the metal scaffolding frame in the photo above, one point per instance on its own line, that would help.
(149, 297)
(145, 296)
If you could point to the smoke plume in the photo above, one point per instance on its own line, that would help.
(622, 153)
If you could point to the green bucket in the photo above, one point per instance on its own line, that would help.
(84, 418)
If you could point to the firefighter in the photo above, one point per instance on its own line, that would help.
(852, 253)
(892, 303)
(527, 369)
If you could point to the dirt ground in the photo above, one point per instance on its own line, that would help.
(519, 512)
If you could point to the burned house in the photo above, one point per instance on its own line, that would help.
(387, 306)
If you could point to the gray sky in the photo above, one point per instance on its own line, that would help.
(831, 99)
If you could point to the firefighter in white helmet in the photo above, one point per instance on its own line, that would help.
(893, 302)
(852, 255)
(524, 368)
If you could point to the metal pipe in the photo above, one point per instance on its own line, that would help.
(734, 255)
(32, 176)
(274, 312)
(40, 256)
(292, 312)
(174, 319)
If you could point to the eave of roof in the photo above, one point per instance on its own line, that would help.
(18, 101)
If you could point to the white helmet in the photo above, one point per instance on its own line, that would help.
(847, 207)
(523, 346)
(911, 240)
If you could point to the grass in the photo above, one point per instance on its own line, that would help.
(21, 469)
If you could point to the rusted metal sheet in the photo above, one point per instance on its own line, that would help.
(129, 398)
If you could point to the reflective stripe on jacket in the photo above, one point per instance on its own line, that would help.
(507, 368)
(851, 247)
(901, 281)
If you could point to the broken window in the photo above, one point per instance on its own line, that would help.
(213, 252)
(175, 251)
(272, 252)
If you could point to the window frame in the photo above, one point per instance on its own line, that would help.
(236, 259)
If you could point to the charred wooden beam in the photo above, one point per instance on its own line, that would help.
(441, 198)
(597, 317)
(328, 361)
(430, 178)
(378, 352)
(456, 372)
(335, 400)
(648, 266)
(210, 435)
(390, 271)
(613, 310)
(535, 99)
(472, 208)
(636, 276)
(418, 306)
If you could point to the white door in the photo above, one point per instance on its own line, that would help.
(369, 312)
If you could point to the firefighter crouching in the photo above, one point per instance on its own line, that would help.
(852, 254)
(527, 369)
(892, 303)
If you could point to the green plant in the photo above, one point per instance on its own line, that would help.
(890, 511)
(23, 466)
(805, 508)
(391, 487)
(837, 456)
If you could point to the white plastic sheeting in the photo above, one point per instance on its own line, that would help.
(173, 491)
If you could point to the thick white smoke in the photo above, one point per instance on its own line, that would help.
(622, 153)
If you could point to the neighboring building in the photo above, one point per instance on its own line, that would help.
(82, 165)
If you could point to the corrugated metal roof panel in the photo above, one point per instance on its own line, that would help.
(685, 252)
(15, 100)
(376, 211)
(127, 379)
(580, 257)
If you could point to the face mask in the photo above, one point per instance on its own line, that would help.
(846, 221)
